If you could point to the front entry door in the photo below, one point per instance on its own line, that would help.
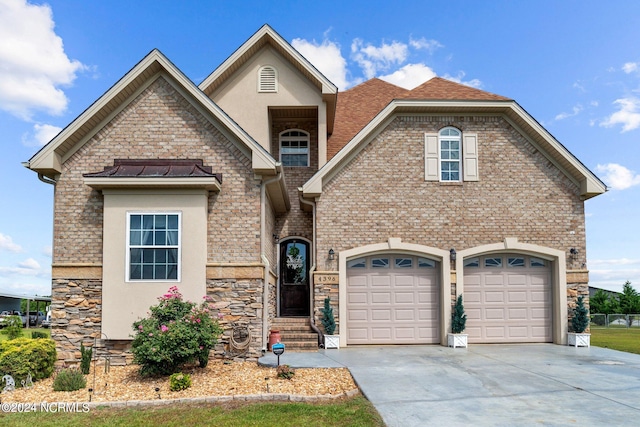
(294, 278)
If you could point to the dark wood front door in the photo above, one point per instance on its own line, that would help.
(294, 278)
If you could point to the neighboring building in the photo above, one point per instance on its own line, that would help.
(266, 190)
(593, 290)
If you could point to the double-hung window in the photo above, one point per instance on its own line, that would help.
(153, 246)
(294, 148)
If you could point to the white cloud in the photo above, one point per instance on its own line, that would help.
(374, 59)
(423, 43)
(6, 242)
(628, 115)
(460, 79)
(30, 264)
(575, 111)
(33, 63)
(326, 57)
(41, 135)
(630, 67)
(617, 176)
(410, 76)
(620, 261)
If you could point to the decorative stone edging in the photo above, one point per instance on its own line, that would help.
(266, 397)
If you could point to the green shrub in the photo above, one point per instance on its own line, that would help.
(85, 359)
(580, 320)
(179, 381)
(39, 334)
(176, 332)
(458, 318)
(328, 321)
(24, 356)
(69, 380)
(285, 371)
(13, 327)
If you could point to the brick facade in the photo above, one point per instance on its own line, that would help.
(159, 123)
(382, 193)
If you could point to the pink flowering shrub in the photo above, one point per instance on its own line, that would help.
(176, 332)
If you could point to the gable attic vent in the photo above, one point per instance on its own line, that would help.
(267, 79)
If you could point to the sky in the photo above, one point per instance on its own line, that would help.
(573, 65)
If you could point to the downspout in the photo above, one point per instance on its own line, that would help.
(263, 256)
(312, 321)
(46, 180)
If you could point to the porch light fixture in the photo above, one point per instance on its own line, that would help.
(332, 254)
(573, 252)
(452, 254)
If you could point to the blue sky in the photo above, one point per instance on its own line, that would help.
(573, 65)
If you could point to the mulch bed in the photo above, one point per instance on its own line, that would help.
(123, 383)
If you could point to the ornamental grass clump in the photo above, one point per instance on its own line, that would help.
(176, 332)
(69, 380)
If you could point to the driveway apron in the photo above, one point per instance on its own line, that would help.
(492, 385)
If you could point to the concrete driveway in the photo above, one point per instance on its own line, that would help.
(492, 385)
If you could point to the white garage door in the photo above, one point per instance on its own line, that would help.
(392, 299)
(507, 298)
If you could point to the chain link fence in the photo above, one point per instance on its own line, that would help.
(615, 320)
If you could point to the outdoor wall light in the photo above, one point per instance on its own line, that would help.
(452, 254)
(276, 238)
(332, 254)
(573, 252)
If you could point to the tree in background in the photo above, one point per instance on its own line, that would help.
(603, 303)
(629, 301)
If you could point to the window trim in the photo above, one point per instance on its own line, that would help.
(456, 138)
(282, 137)
(128, 247)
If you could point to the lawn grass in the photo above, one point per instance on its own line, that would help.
(356, 411)
(27, 332)
(622, 339)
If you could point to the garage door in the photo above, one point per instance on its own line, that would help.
(507, 298)
(392, 299)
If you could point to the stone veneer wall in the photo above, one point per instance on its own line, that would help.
(240, 302)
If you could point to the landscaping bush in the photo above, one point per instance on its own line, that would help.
(328, 321)
(23, 356)
(176, 332)
(458, 318)
(285, 371)
(179, 381)
(580, 320)
(69, 380)
(13, 327)
(39, 334)
(85, 359)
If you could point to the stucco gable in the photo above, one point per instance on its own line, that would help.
(267, 36)
(48, 161)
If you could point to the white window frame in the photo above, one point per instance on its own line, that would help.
(468, 161)
(177, 246)
(268, 79)
(449, 138)
(306, 138)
